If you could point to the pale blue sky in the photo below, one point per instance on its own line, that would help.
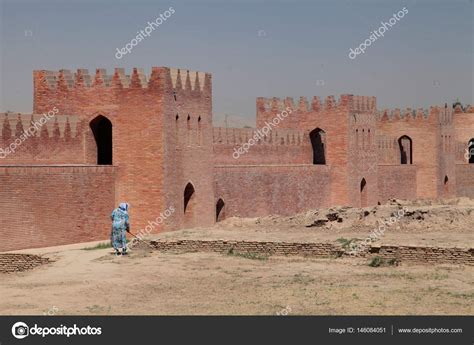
(425, 59)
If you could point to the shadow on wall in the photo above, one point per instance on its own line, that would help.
(446, 186)
(406, 151)
(318, 141)
(102, 129)
(220, 210)
(363, 193)
(471, 151)
(189, 204)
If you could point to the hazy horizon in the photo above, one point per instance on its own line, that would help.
(252, 48)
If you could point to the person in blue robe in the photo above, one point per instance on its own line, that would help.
(120, 224)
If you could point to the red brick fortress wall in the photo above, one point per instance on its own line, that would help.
(464, 132)
(134, 106)
(42, 206)
(188, 156)
(424, 129)
(465, 180)
(279, 146)
(350, 155)
(166, 154)
(162, 135)
(446, 181)
(362, 151)
(259, 190)
(58, 139)
(396, 181)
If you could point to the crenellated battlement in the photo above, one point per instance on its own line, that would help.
(82, 93)
(351, 102)
(276, 104)
(238, 136)
(30, 139)
(64, 80)
(189, 80)
(435, 113)
(467, 110)
(13, 125)
(363, 103)
(406, 114)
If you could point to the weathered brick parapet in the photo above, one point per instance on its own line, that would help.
(414, 254)
(20, 262)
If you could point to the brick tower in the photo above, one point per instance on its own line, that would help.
(157, 131)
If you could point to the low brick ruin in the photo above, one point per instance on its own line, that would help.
(412, 254)
(428, 255)
(20, 262)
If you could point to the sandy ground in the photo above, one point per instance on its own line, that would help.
(94, 282)
(421, 223)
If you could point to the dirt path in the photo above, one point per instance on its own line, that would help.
(95, 282)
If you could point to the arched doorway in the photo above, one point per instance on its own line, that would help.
(188, 198)
(318, 141)
(102, 129)
(446, 186)
(220, 210)
(406, 150)
(471, 151)
(363, 193)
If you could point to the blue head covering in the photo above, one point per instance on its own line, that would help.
(123, 206)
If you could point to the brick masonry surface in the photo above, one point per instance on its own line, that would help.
(413, 254)
(20, 262)
(54, 205)
(427, 255)
(155, 132)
